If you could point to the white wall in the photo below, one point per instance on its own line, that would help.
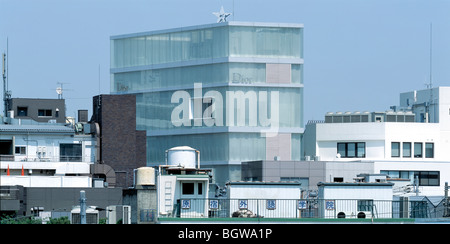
(45, 147)
(378, 138)
(47, 181)
(262, 191)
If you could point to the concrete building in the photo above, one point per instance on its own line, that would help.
(45, 154)
(409, 142)
(355, 200)
(38, 109)
(232, 90)
(44, 165)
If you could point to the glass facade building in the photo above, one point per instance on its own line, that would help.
(217, 88)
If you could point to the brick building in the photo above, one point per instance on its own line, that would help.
(121, 146)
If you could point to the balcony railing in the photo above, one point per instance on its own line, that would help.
(298, 208)
(22, 158)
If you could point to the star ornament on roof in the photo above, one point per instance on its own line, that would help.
(221, 16)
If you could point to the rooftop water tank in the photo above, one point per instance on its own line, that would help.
(182, 156)
(145, 176)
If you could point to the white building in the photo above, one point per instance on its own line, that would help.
(355, 200)
(181, 185)
(265, 199)
(45, 154)
(414, 149)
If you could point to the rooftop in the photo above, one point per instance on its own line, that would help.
(197, 27)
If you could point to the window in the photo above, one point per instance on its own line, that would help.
(406, 149)
(22, 111)
(429, 150)
(418, 149)
(21, 150)
(365, 205)
(70, 152)
(187, 188)
(352, 149)
(44, 112)
(395, 149)
(426, 178)
(199, 188)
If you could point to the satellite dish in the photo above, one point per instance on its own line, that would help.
(59, 90)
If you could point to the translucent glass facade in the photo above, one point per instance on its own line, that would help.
(206, 42)
(229, 60)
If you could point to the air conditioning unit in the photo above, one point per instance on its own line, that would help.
(118, 214)
(91, 215)
(354, 215)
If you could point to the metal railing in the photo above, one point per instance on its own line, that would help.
(22, 158)
(298, 208)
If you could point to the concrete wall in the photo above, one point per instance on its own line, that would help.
(33, 105)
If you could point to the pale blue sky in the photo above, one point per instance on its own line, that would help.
(359, 54)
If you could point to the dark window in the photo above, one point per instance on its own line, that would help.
(70, 152)
(427, 178)
(418, 149)
(352, 149)
(21, 150)
(22, 111)
(188, 188)
(44, 112)
(6, 147)
(200, 189)
(429, 150)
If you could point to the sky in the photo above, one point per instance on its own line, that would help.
(359, 55)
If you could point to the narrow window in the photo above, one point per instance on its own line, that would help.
(395, 149)
(406, 149)
(361, 150)
(341, 149)
(418, 149)
(199, 188)
(429, 150)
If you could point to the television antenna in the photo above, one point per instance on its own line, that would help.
(5, 74)
(60, 89)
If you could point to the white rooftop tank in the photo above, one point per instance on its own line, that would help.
(145, 176)
(183, 156)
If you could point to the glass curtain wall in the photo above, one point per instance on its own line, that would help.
(154, 109)
(169, 47)
(155, 65)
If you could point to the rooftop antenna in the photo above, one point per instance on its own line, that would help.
(59, 89)
(6, 92)
(431, 55)
(430, 85)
